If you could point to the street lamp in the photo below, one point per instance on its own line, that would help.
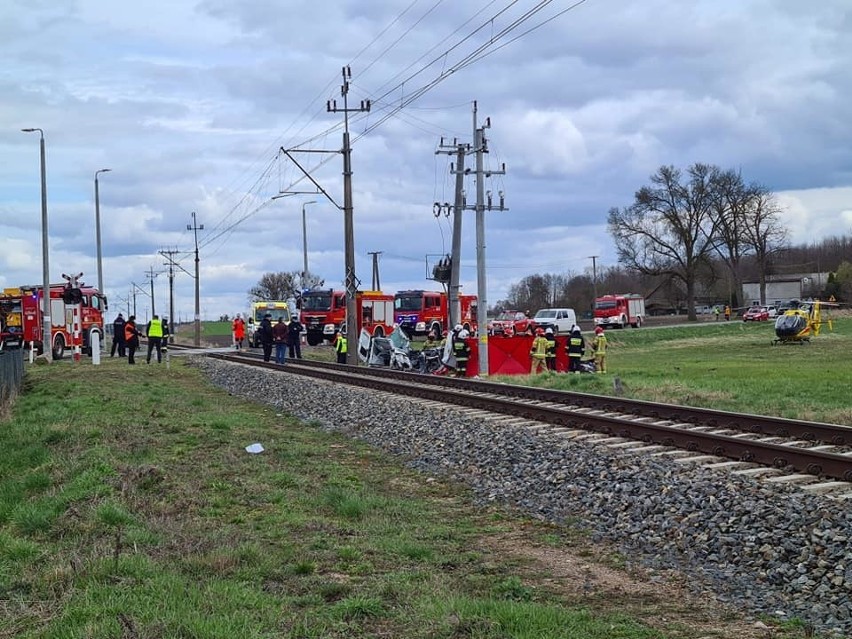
(45, 297)
(98, 230)
(305, 240)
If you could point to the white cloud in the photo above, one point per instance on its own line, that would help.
(189, 103)
(811, 214)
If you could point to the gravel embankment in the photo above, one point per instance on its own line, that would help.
(770, 549)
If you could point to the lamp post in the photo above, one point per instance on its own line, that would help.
(98, 230)
(305, 240)
(45, 297)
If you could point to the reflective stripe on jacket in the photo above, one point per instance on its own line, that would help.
(599, 344)
(539, 347)
(576, 346)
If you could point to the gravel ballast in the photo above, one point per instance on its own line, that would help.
(771, 549)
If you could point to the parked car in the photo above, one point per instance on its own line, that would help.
(756, 314)
(510, 323)
(773, 312)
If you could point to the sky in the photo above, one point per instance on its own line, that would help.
(190, 103)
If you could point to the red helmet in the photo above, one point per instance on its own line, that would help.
(599, 330)
(539, 331)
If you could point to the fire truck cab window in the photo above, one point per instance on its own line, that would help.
(316, 302)
(407, 303)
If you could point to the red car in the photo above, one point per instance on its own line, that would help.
(509, 323)
(756, 314)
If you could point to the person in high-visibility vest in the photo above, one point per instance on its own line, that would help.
(341, 346)
(461, 350)
(576, 348)
(131, 338)
(154, 330)
(599, 348)
(538, 352)
(550, 355)
(238, 327)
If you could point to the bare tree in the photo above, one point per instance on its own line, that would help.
(669, 228)
(762, 231)
(732, 206)
(275, 286)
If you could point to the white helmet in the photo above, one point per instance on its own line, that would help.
(463, 334)
(457, 328)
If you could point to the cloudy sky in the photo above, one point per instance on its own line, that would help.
(189, 102)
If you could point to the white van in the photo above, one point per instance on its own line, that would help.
(561, 320)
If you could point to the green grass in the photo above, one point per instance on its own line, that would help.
(727, 366)
(130, 509)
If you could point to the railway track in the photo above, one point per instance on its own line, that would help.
(810, 451)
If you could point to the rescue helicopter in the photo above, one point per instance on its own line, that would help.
(798, 325)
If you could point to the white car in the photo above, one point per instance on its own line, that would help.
(773, 312)
(561, 320)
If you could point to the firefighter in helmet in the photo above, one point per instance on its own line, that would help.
(550, 354)
(461, 349)
(538, 352)
(576, 348)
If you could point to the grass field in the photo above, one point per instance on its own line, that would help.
(129, 508)
(727, 366)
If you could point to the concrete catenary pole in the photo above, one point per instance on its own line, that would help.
(194, 227)
(45, 265)
(348, 223)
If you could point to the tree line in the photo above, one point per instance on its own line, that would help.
(690, 234)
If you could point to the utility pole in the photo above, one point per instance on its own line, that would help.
(151, 275)
(594, 280)
(46, 339)
(377, 285)
(348, 224)
(480, 147)
(455, 260)
(195, 228)
(170, 262)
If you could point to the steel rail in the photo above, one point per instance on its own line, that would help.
(804, 460)
(834, 434)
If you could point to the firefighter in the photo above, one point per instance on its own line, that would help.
(727, 312)
(340, 346)
(461, 350)
(599, 348)
(576, 348)
(538, 352)
(550, 354)
(131, 338)
(154, 331)
(432, 341)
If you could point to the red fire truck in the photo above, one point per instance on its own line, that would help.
(620, 310)
(419, 312)
(23, 318)
(323, 311)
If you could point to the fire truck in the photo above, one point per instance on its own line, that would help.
(22, 323)
(620, 310)
(323, 311)
(419, 312)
